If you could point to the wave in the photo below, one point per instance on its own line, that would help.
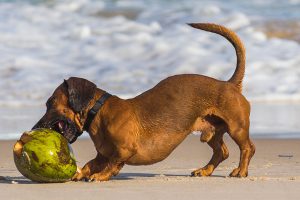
(126, 47)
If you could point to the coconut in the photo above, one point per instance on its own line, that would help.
(43, 155)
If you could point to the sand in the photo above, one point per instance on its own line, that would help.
(274, 173)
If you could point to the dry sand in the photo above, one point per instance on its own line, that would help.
(274, 173)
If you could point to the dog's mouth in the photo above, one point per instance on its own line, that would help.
(64, 126)
(67, 128)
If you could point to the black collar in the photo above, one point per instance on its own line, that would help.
(94, 110)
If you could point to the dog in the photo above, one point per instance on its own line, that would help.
(147, 128)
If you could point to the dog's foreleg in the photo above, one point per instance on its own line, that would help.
(102, 168)
(96, 165)
(111, 169)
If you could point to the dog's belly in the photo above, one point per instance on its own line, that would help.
(155, 149)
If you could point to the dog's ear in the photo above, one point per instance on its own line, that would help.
(80, 92)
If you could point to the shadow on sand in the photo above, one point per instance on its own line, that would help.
(15, 180)
(130, 176)
(121, 176)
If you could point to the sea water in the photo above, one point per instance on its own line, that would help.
(128, 46)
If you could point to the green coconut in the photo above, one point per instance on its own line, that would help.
(43, 155)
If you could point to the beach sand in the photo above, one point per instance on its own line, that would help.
(274, 173)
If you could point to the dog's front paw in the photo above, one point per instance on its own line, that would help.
(79, 176)
(201, 172)
(100, 177)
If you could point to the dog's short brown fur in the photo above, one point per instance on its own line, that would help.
(146, 129)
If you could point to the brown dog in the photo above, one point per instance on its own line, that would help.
(146, 129)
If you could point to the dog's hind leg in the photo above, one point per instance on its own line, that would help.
(220, 153)
(238, 129)
(247, 150)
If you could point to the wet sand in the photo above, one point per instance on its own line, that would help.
(273, 173)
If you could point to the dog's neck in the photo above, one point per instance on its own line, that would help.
(88, 119)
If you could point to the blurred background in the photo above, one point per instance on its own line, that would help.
(128, 46)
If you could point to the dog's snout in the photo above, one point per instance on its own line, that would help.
(37, 125)
(40, 124)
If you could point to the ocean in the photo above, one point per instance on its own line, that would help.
(128, 46)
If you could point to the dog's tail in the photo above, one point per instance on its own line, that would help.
(239, 72)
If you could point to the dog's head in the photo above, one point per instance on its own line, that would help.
(67, 108)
